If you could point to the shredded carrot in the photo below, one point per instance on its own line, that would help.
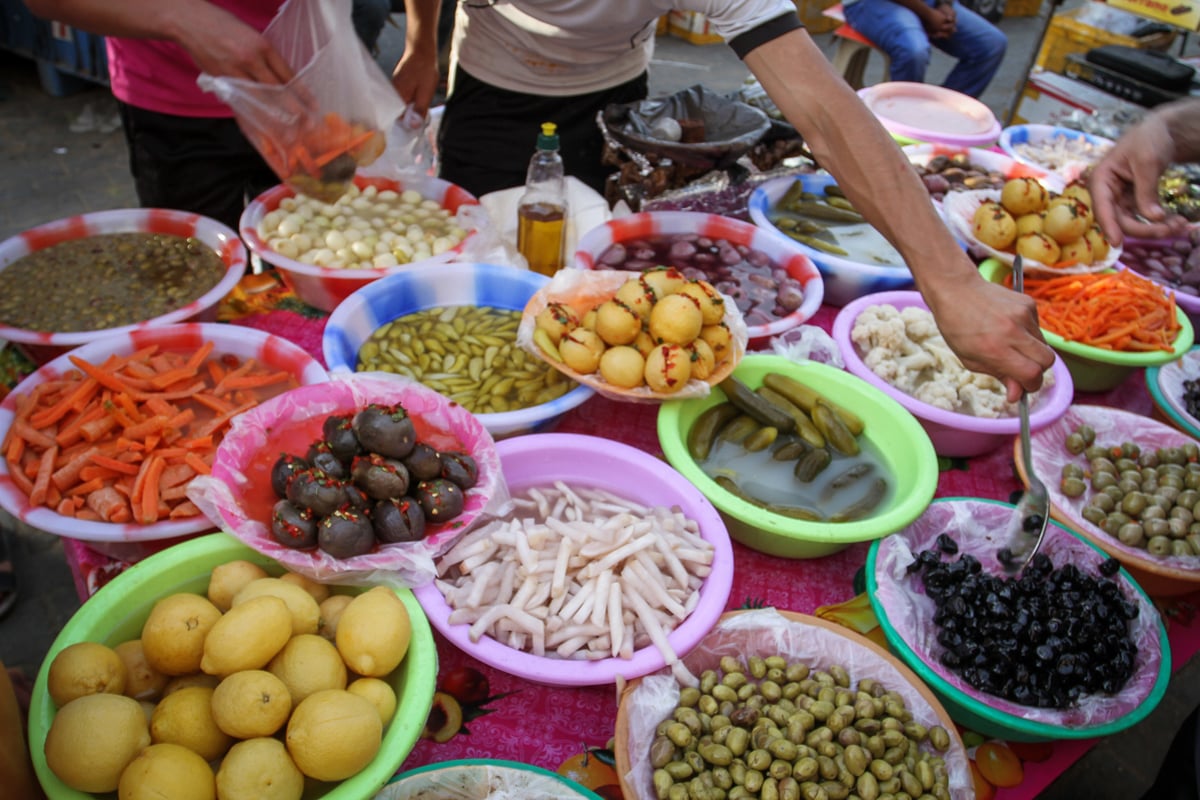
(121, 441)
(1109, 310)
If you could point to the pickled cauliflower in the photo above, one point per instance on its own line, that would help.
(906, 349)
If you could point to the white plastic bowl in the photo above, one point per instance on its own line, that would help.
(1015, 137)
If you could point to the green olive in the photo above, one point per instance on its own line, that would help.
(1095, 451)
(1133, 503)
(1102, 501)
(1074, 443)
(1072, 470)
(1181, 547)
(1132, 534)
(1102, 480)
(1101, 464)
(1155, 527)
(1159, 546)
(1073, 487)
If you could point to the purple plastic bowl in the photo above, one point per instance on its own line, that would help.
(540, 459)
(953, 435)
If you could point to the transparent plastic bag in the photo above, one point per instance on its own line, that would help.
(332, 117)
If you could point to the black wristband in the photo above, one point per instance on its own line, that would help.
(743, 43)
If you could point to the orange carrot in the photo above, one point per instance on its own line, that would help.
(150, 490)
(41, 483)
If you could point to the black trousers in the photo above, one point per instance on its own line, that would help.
(199, 164)
(488, 135)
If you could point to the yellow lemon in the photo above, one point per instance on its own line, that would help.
(373, 632)
(308, 663)
(380, 693)
(331, 611)
(259, 769)
(93, 738)
(247, 636)
(226, 580)
(251, 703)
(85, 668)
(319, 591)
(167, 770)
(185, 717)
(142, 682)
(333, 734)
(304, 609)
(173, 635)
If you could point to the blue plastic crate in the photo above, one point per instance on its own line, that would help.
(18, 27)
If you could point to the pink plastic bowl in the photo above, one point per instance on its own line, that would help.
(783, 253)
(953, 435)
(588, 461)
(115, 538)
(325, 287)
(43, 346)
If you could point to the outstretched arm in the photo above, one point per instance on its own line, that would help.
(992, 329)
(217, 41)
(416, 74)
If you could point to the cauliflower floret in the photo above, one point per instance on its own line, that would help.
(879, 327)
(919, 324)
(938, 393)
(984, 398)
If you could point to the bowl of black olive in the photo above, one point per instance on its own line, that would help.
(1069, 647)
(364, 479)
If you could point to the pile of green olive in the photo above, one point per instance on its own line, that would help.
(1144, 498)
(774, 728)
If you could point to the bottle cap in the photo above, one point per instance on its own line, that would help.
(548, 138)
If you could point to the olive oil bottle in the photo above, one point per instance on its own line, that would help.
(542, 211)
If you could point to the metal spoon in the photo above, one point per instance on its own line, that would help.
(1033, 510)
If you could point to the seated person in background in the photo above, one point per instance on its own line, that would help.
(907, 29)
(369, 18)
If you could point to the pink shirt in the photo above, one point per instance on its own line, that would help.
(158, 75)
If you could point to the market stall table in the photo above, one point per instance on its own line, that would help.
(507, 717)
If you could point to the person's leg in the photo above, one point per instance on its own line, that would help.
(979, 47)
(369, 17)
(897, 31)
(202, 165)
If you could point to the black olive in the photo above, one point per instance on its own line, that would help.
(459, 468)
(946, 544)
(423, 462)
(292, 526)
(440, 499)
(1110, 567)
(386, 430)
(321, 456)
(313, 489)
(337, 431)
(398, 519)
(282, 471)
(379, 477)
(346, 533)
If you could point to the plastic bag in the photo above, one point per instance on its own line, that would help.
(332, 117)
(729, 128)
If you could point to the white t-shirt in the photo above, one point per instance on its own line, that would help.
(567, 47)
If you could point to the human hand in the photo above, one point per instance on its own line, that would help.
(942, 22)
(1124, 184)
(993, 330)
(223, 45)
(416, 80)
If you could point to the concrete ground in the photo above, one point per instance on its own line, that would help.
(65, 155)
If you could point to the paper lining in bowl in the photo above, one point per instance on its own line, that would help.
(959, 211)
(583, 289)
(980, 527)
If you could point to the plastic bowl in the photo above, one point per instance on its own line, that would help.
(783, 254)
(905, 612)
(896, 436)
(325, 287)
(844, 279)
(1015, 138)
(43, 346)
(238, 494)
(1094, 369)
(118, 539)
(1166, 388)
(481, 778)
(118, 610)
(1160, 576)
(799, 638)
(929, 113)
(953, 434)
(593, 462)
(454, 284)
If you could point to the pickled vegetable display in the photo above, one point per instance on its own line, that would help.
(106, 280)
(955, 173)
(830, 224)
(789, 450)
(1174, 263)
(1045, 639)
(774, 727)
(467, 353)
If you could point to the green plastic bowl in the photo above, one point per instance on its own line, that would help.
(118, 610)
(979, 526)
(1094, 369)
(478, 778)
(897, 436)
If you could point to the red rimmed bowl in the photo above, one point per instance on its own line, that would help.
(325, 287)
(42, 346)
(954, 434)
(763, 284)
(128, 540)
